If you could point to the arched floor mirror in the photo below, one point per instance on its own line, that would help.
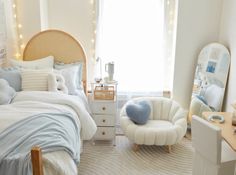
(210, 80)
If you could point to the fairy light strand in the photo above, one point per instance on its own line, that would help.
(18, 28)
(94, 22)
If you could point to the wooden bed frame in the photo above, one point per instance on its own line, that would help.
(65, 49)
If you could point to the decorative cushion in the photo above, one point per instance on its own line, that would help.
(43, 63)
(56, 83)
(35, 80)
(78, 75)
(6, 92)
(12, 76)
(138, 112)
(69, 74)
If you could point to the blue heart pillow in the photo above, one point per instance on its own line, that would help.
(138, 112)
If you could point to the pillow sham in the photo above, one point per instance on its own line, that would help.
(43, 63)
(6, 92)
(12, 76)
(138, 111)
(70, 76)
(35, 80)
(79, 66)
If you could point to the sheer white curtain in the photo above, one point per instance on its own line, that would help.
(8, 31)
(133, 33)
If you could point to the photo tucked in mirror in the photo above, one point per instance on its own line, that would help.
(210, 79)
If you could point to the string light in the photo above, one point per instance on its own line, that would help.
(19, 26)
(17, 55)
(93, 53)
(20, 44)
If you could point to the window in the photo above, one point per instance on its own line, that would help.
(138, 36)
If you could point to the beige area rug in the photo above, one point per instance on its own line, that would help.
(105, 159)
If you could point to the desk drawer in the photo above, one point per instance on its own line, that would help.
(105, 133)
(104, 120)
(103, 107)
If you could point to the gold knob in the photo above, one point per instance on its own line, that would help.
(103, 108)
(103, 120)
(103, 133)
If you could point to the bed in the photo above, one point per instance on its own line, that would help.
(32, 107)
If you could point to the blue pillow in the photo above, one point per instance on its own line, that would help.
(138, 112)
(6, 92)
(12, 76)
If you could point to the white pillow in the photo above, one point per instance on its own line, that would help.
(43, 63)
(56, 83)
(35, 80)
(70, 76)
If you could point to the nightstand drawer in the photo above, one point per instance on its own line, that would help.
(103, 107)
(105, 133)
(104, 120)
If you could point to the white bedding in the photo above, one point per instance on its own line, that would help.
(27, 103)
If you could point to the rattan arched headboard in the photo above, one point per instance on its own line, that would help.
(59, 44)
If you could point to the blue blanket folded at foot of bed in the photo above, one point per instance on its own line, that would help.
(50, 131)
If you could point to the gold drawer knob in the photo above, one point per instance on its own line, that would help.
(103, 133)
(103, 108)
(103, 120)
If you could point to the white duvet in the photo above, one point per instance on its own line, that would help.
(27, 103)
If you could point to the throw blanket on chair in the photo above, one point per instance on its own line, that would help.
(50, 131)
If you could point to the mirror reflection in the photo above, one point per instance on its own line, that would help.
(210, 79)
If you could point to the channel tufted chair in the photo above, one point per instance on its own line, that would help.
(167, 123)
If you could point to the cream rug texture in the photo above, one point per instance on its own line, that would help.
(105, 159)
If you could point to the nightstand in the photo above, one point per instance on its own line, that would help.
(104, 110)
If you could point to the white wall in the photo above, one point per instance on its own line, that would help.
(72, 16)
(44, 14)
(228, 38)
(76, 18)
(198, 24)
(29, 16)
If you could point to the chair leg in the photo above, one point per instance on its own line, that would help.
(136, 147)
(169, 148)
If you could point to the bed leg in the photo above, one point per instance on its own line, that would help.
(135, 147)
(36, 158)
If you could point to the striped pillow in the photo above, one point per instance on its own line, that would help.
(35, 80)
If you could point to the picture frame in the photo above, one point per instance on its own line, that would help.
(211, 66)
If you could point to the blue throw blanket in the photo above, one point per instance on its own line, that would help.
(50, 131)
